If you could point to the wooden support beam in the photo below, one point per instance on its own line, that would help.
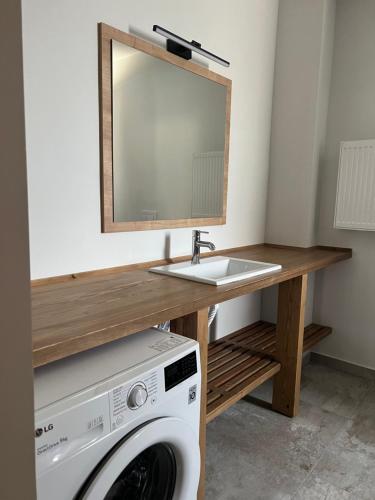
(289, 345)
(195, 326)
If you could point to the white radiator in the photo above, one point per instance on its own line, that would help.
(355, 198)
(208, 174)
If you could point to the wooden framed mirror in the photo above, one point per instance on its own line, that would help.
(164, 124)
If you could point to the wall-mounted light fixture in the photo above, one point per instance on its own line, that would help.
(183, 48)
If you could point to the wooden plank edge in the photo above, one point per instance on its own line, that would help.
(133, 267)
(347, 254)
(319, 332)
(322, 247)
(316, 337)
(266, 373)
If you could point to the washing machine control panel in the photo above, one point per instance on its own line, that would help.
(180, 370)
(137, 396)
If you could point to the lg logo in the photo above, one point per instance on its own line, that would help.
(40, 430)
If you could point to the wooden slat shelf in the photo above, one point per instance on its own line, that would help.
(241, 361)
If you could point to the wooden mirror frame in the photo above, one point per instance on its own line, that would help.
(106, 34)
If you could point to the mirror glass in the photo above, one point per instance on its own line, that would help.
(168, 144)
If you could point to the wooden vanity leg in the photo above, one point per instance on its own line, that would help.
(195, 326)
(289, 345)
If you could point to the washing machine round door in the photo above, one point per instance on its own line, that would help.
(159, 460)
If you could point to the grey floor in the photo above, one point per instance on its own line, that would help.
(327, 452)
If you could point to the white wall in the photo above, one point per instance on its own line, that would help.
(300, 106)
(62, 125)
(269, 301)
(302, 78)
(345, 293)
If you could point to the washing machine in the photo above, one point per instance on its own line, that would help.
(120, 421)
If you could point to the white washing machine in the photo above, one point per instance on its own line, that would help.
(120, 421)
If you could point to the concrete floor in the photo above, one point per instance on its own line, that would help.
(327, 452)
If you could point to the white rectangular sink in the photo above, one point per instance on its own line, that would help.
(217, 270)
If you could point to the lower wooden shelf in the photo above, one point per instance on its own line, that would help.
(241, 361)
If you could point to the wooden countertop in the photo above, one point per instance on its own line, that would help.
(79, 312)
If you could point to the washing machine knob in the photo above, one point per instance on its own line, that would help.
(137, 396)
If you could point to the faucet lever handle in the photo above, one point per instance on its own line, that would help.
(197, 234)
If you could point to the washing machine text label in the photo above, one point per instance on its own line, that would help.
(39, 431)
(95, 422)
(47, 447)
(169, 343)
(118, 405)
(118, 399)
(71, 431)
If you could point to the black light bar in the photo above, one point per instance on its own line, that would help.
(183, 48)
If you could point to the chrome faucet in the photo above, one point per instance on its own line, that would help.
(198, 244)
